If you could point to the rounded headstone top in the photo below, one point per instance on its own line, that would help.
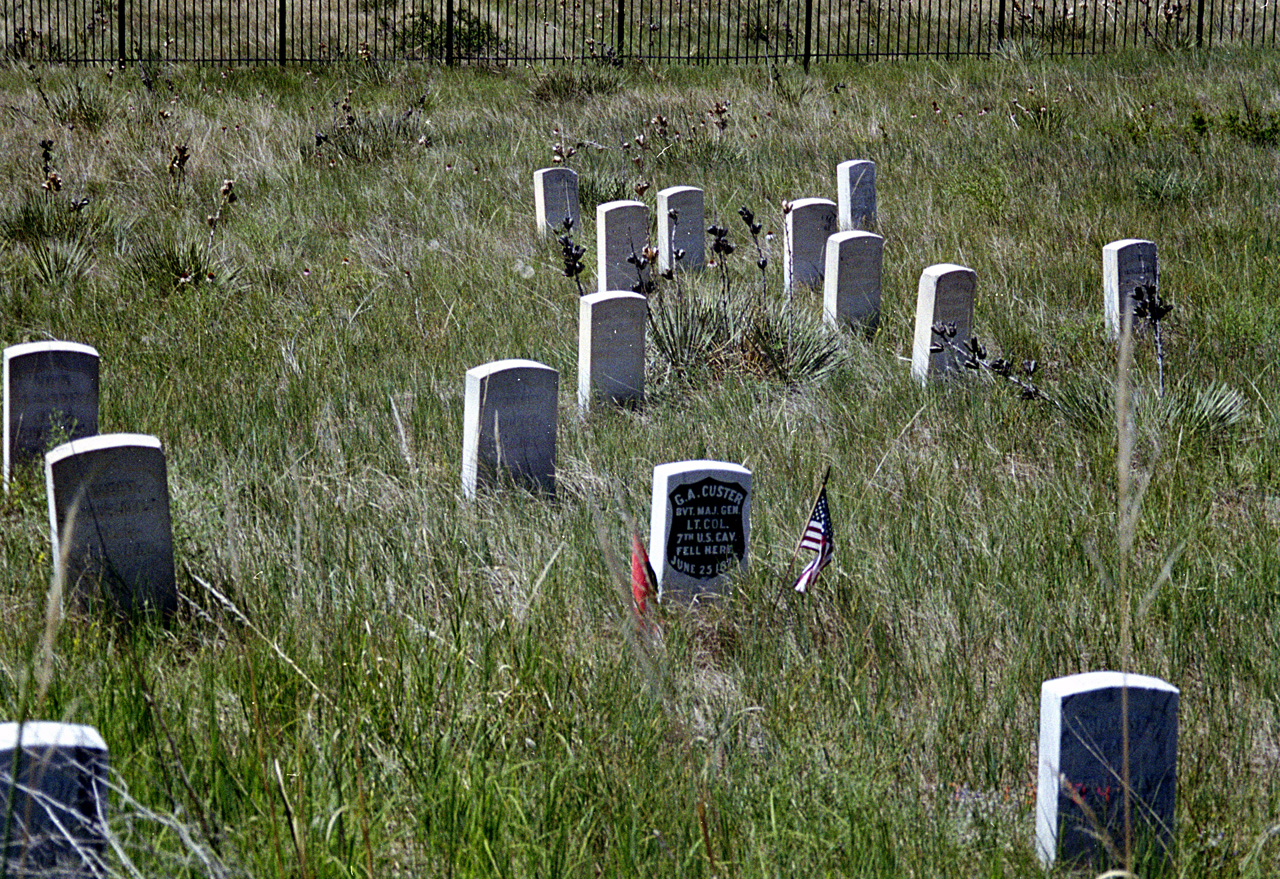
(620, 203)
(801, 203)
(485, 370)
(99, 443)
(1126, 242)
(50, 734)
(946, 268)
(682, 466)
(24, 348)
(1102, 680)
(851, 234)
(602, 295)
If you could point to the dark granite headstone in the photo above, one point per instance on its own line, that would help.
(1081, 782)
(700, 526)
(50, 393)
(119, 541)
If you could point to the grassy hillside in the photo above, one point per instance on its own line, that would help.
(374, 677)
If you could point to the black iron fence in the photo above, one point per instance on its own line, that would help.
(662, 31)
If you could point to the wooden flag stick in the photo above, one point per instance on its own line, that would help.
(796, 552)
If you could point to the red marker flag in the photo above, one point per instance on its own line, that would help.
(643, 580)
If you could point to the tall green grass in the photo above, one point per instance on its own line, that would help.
(377, 678)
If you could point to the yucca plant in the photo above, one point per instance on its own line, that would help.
(165, 261)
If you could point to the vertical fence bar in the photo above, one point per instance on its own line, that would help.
(281, 30)
(448, 33)
(120, 35)
(621, 12)
(808, 31)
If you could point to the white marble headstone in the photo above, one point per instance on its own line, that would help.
(1126, 264)
(622, 229)
(59, 802)
(945, 295)
(50, 390)
(555, 196)
(684, 231)
(611, 332)
(119, 545)
(851, 288)
(699, 526)
(809, 223)
(509, 425)
(1082, 756)
(856, 194)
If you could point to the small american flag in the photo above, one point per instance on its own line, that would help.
(818, 537)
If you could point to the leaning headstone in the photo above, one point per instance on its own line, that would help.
(109, 521)
(945, 295)
(555, 197)
(681, 218)
(809, 223)
(1126, 264)
(1080, 797)
(856, 194)
(53, 781)
(509, 425)
(611, 348)
(50, 392)
(851, 288)
(699, 526)
(622, 230)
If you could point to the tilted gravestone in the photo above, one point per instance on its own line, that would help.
(1126, 265)
(1080, 797)
(509, 425)
(856, 194)
(50, 393)
(681, 218)
(851, 288)
(53, 781)
(555, 197)
(699, 526)
(109, 519)
(622, 230)
(611, 328)
(945, 295)
(809, 223)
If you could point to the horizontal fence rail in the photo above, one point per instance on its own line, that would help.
(608, 31)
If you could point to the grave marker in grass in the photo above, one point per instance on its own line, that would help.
(50, 392)
(555, 197)
(699, 526)
(109, 516)
(851, 287)
(945, 295)
(809, 223)
(611, 328)
(1126, 265)
(622, 232)
(1080, 797)
(53, 786)
(856, 194)
(683, 231)
(509, 425)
